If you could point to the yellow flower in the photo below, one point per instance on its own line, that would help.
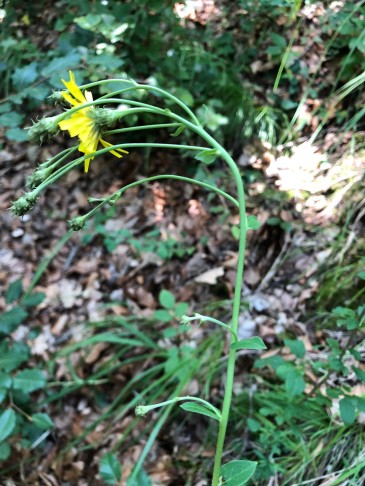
(84, 122)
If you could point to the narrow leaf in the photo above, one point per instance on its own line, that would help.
(251, 343)
(197, 408)
(236, 473)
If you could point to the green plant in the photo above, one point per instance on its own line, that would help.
(17, 382)
(91, 124)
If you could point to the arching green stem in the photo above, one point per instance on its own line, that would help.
(114, 197)
(145, 87)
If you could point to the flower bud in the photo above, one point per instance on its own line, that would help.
(76, 224)
(105, 117)
(56, 95)
(24, 204)
(44, 128)
(37, 177)
(141, 410)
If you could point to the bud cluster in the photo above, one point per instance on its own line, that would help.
(24, 204)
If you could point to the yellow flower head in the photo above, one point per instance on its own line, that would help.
(83, 123)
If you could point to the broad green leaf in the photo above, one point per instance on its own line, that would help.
(181, 308)
(5, 380)
(29, 380)
(11, 357)
(162, 315)
(4, 451)
(109, 469)
(296, 346)
(24, 76)
(361, 275)
(11, 319)
(167, 299)
(347, 410)
(253, 223)
(42, 421)
(34, 299)
(253, 425)
(17, 134)
(207, 156)
(294, 382)
(12, 119)
(61, 63)
(7, 423)
(359, 373)
(201, 409)
(14, 291)
(236, 473)
(252, 343)
(141, 479)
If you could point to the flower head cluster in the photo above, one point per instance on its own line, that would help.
(87, 122)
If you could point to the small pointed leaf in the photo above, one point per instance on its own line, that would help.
(251, 343)
(207, 156)
(197, 408)
(237, 473)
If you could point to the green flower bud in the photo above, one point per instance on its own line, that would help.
(56, 95)
(37, 177)
(24, 204)
(105, 117)
(141, 410)
(44, 128)
(76, 224)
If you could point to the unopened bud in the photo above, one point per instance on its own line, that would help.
(56, 95)
(24, 204)
(37, 177)
(76, 224)
(105, 117)
(44, 128)
(141, 410)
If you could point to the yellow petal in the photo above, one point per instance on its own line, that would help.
(74, 89)
(70, 99)
(114, 152)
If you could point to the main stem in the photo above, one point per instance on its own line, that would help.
(237, 294)
(235, 315)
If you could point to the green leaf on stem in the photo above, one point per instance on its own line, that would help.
(207, 156)
(251, 343)
(236, 473)
(109, 469)
(198, 408)
(178, 131)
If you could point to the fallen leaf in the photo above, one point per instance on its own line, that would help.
(210, 277)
